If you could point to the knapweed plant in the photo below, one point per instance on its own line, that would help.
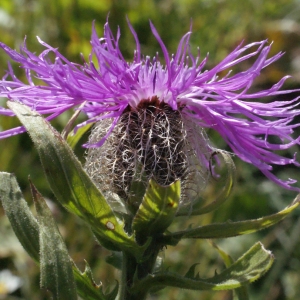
(148, 158)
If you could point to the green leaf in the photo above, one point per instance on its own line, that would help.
(68, 128)
(248, 268)
(158, 208)
(198, 208)
(55, 263)
(137, 189)
(228, 260)
(115, 259)
(88, 289)
(74, 138)
(22, 220)
(70, 184)
(230, 229)
(239, 293)
(27, 230)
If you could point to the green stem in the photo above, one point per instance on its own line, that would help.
(127, 270)
(129, 267)
(133, 270)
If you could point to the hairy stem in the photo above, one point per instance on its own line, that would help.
(129, 267)
(134, 271)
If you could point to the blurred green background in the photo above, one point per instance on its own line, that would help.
(218, 26)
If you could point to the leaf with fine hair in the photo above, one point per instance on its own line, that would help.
(55, 263)
(71, 185)
(248, 268)
(27, 230)
(240, 293)
(21, 219)
(230, 229)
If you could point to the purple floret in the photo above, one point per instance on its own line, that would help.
(224, 104)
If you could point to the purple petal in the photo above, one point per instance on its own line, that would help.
(224, 104)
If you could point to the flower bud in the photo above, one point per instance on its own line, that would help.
(151, 141)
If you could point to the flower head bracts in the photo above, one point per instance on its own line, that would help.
(224, 104)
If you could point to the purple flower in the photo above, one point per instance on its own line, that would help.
(224, 104)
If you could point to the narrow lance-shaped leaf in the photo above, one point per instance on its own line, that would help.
(230, 229)
(21, 219)
(26, 229)
(70, 183)
(248, 268)
(68, 128)
(73, 138)
(55, 263)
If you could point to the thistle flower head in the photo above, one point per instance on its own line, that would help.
(150, 116)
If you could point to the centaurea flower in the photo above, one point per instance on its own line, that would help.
(151, 116)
